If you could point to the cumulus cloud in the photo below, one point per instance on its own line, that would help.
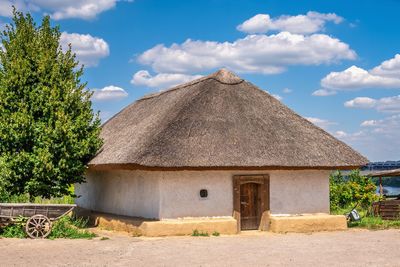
(368, 123)
(340, 134)
(88, 49)
(304, 24)
(161, 80)
(386, 75)
(388, 68)
(323, 92)
(378, 138)
(385, 104)
(109, 93)
(278, 97)
(357, 78)
(325, 124)
(59, 9)
(360, 102)
(266, 54)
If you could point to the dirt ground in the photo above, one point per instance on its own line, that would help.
(348, 248)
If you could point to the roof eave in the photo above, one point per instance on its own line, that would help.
(131, 166)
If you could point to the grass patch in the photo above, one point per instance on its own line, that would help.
(15, 230)
(65, 227)
(215, 233)
(368, 221)
(199, 233)
(72, 228)
(375, 223)
(25, 198)
(104, 238)
(39, 200)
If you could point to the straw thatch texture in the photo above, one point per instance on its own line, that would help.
(218, 121)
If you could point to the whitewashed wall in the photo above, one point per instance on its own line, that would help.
(129, 193)
(155, 194)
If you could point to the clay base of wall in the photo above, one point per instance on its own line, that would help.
(222, 225)
(187, 226)
(307, 223)
(153, 228)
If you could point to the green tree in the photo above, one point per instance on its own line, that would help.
(48, 131)
(346, 192)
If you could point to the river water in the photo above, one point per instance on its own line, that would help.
(389, 190)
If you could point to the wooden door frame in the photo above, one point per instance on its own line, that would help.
(261, 179)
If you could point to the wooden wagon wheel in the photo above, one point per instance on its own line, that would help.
(38, 226)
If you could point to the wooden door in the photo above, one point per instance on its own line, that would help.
(249, 206)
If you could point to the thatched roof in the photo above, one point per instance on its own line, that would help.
(219, 121)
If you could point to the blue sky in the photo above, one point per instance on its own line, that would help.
(334, 62)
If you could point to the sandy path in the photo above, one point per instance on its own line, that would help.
(349, 248)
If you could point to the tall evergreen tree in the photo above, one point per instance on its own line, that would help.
(48, 131)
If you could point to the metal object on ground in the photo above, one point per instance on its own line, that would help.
(354, 216)
(39, 216)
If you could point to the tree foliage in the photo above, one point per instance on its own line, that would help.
(48, 131)
(346, 192)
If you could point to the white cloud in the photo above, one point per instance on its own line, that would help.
(369, 123)
(109, 93)
(357, 78)
(385, 104)
(59, 9)
(323, 92)
(304, 24)
(388, 68)
(321, 122)
(278, 97)
(360, 102)
(287, 90)
(161, 80)
(89, 50)
(267, 54)
(340, 134)
(378, 138)
(386, 75)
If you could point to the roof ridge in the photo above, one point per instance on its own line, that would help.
(222, 76)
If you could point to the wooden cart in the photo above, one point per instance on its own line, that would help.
(39, 216)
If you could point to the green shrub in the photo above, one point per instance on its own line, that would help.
(215, 233)
(68, 227)
(15, 230)
(198, 233)
(65, 227)
(356, 189)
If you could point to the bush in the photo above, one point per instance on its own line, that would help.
(198, 233)
(65, 227)
(347, 192)
(25, 198)
(15, 230)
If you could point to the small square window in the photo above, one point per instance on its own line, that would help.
(203, 193)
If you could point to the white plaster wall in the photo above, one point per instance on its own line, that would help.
(129, 193)
(180, 194)
(294, 192)
(291, 192)
(174, 194)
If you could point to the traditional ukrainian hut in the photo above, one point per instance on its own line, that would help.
(217, 153)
